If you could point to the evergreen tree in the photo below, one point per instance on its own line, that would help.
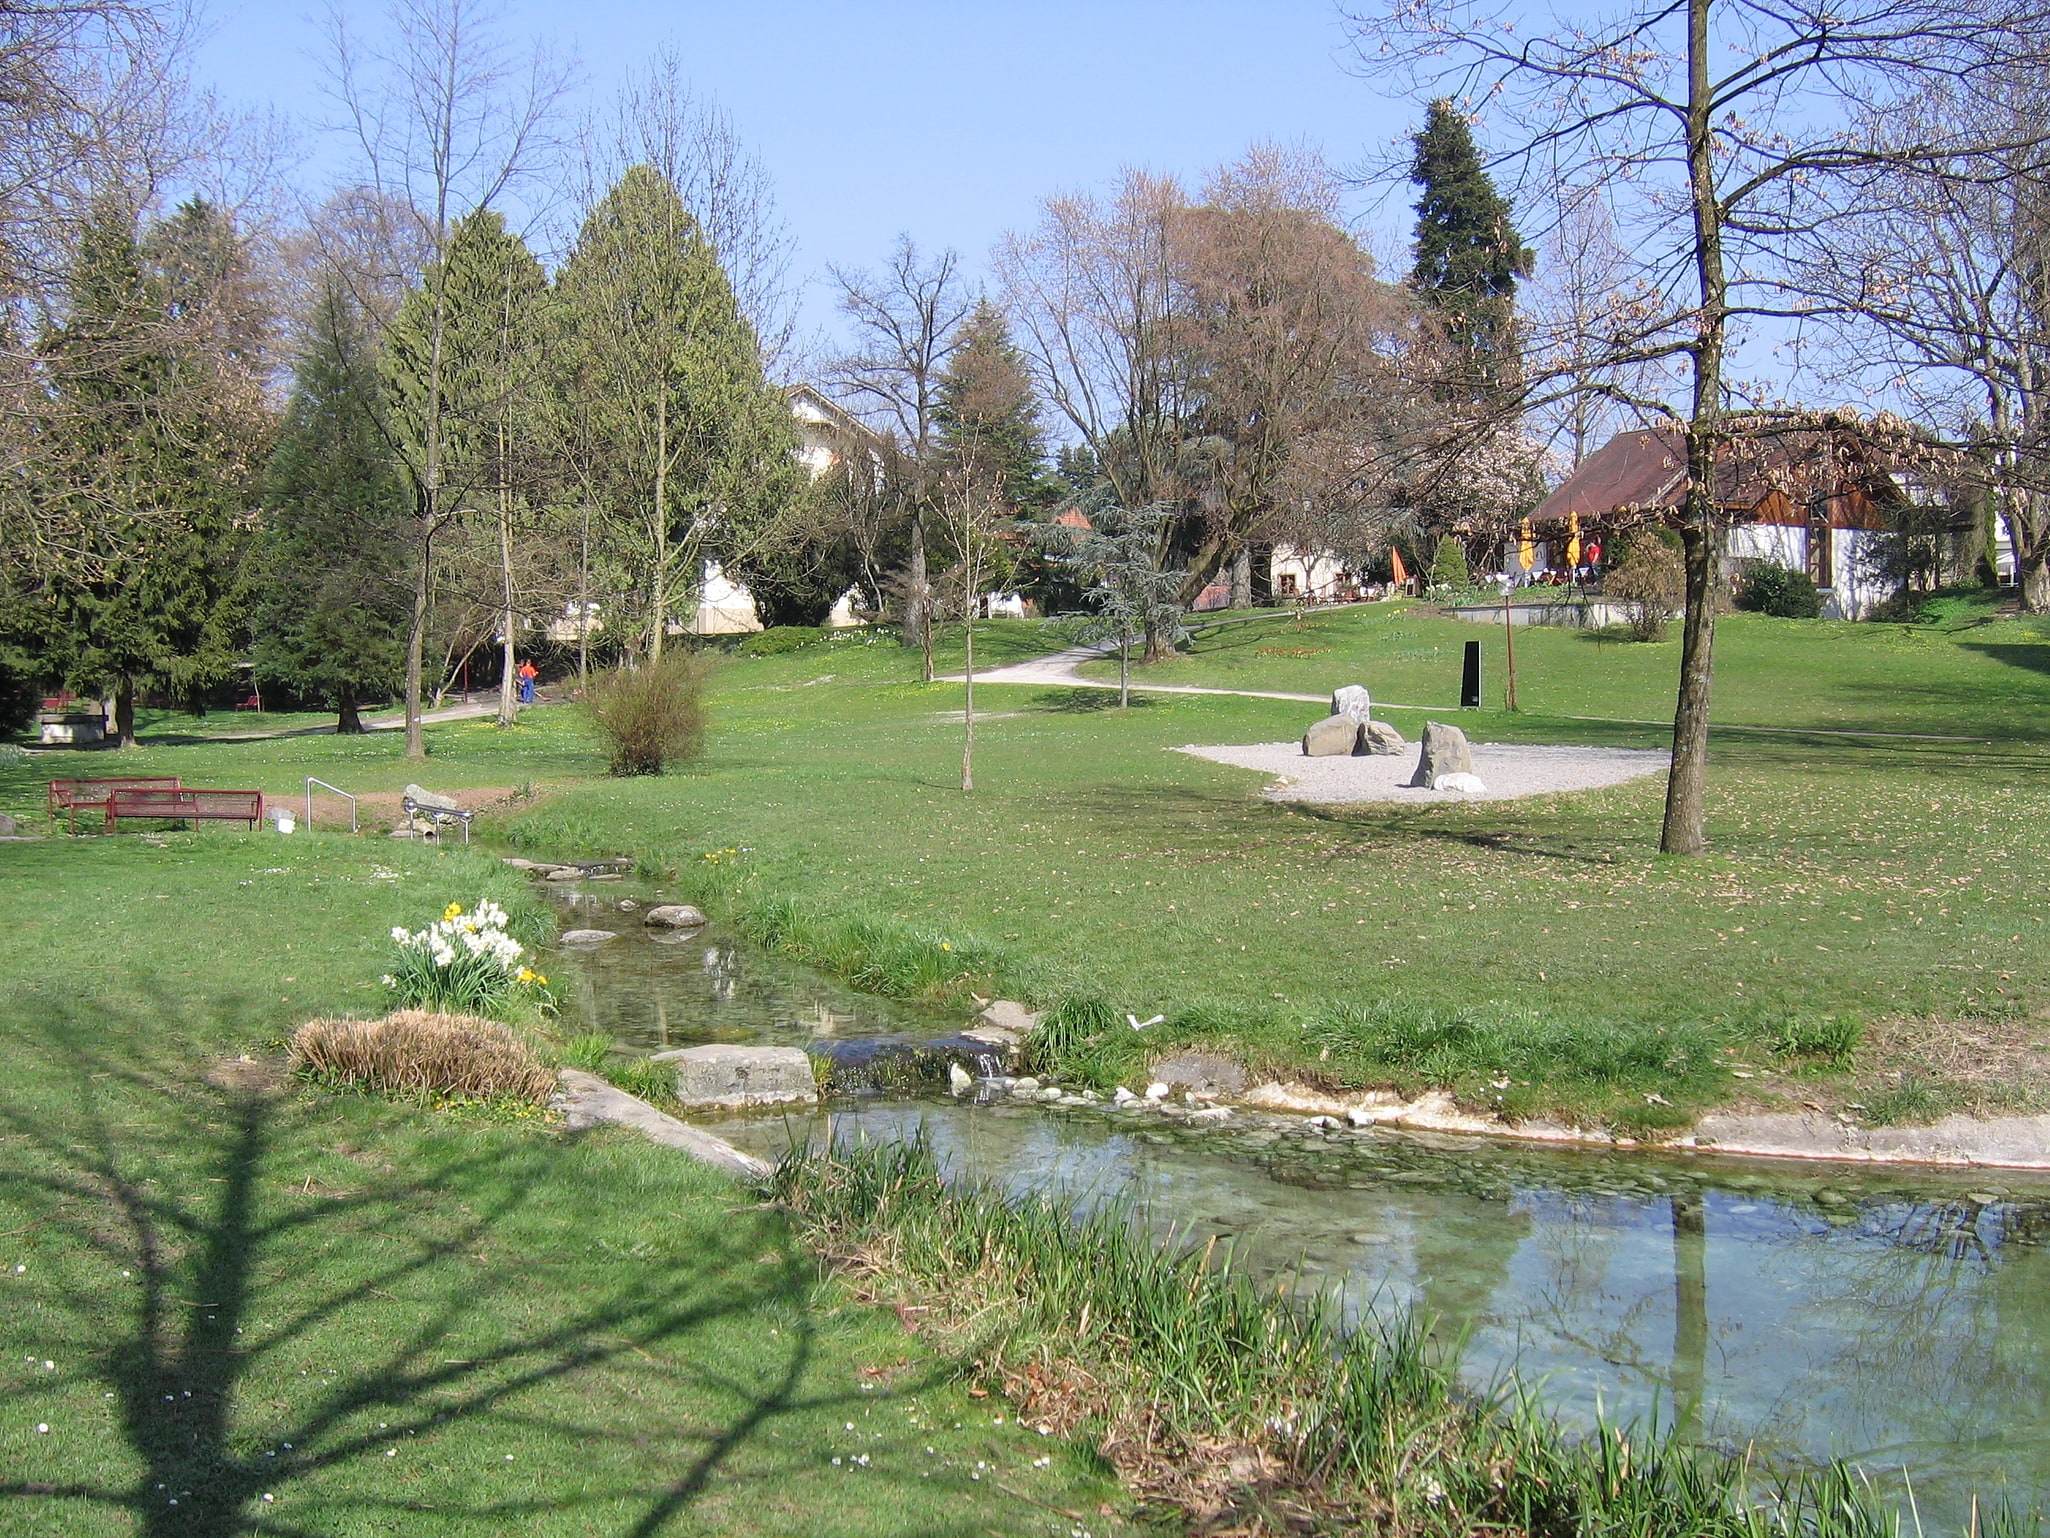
(152, 423)
(462, 368)
(1468, 254)
(333, 556)
(690, 454)
(988, 415)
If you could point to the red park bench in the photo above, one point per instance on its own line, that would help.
(70, 797)
(186, 805)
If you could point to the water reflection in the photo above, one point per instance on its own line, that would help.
(1898, 1317)
(1794, 1314)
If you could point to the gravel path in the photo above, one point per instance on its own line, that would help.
(1508, 770)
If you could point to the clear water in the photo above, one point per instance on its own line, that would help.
(1897, 1317)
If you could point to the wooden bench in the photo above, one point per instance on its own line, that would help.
(68, 796)
(186, 805)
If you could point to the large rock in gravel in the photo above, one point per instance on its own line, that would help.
(1353, 703)
(1467, 784)
(1332, 737)
(672, 916)
(1445, 751)
(1381, 740)
(424, 797)
(726, 1075)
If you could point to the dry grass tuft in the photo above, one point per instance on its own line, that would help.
(414, 1052)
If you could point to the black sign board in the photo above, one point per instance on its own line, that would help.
(1470, 679)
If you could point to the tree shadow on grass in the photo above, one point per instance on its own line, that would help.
(1083, 702)
(231, 1269)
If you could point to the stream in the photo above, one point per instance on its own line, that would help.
(1892, 1315)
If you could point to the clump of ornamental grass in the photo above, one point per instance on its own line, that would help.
(1234, 1407)
(417, 1052)
(650, 717)
(465, 963)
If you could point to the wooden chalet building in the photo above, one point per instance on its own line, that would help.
(1818, 500)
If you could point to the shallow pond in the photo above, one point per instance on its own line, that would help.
(1897, 1317)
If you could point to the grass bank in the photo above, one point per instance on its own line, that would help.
(1232, 1409)
(1863, 933)
(239, 1304)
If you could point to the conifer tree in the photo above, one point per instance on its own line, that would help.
(333, 556)
(151, 427)
(461, 373)
(691, 453)
(1468, 254)
(988, 413)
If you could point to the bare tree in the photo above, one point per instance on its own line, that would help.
(446, 119)
(1096, 294)
(1955, 321)
(906, 320)
(1582, 318)
(1725, 121)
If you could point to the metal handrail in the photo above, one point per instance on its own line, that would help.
(323, 784)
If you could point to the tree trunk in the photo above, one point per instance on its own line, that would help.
(348, 720)
(584, 604)
(2030, 544)
(658, 601)
(416, 645)
(1700, 536)
(124, 712)
(968, 703)
(916, 622)
(1242, 579)
(1124, 669)
(508, 679)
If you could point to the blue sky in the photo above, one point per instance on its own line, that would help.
(945, 120)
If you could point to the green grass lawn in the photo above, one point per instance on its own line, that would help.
(1972, 674)
(242, 1305)
(1538, 955)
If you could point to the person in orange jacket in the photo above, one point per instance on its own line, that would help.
(528, 673)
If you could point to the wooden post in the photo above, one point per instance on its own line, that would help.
(1509, 641)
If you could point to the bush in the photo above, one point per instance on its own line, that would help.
(414, 1052)
(1784, 594)
(1448, 566)
(1650, 582)
(652, 716)
(778, 639)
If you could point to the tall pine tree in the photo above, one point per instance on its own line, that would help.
(690, 453)
(334, 556)
(988, 414)
(1468, 254)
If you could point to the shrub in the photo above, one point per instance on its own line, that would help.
(1650, 582)
(652, 716)
(464, 963)
(589, 1052)
(1775, 590)
(778, 639)
(1448, 565)
(416, 1052)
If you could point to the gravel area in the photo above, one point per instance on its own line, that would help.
(1509, 770)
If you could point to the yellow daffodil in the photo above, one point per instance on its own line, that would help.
(451, 913)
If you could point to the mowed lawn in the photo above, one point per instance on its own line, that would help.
(1887, 881)
(1537, 955)
(230, 1303)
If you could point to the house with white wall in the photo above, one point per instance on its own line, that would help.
(1823, 501)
